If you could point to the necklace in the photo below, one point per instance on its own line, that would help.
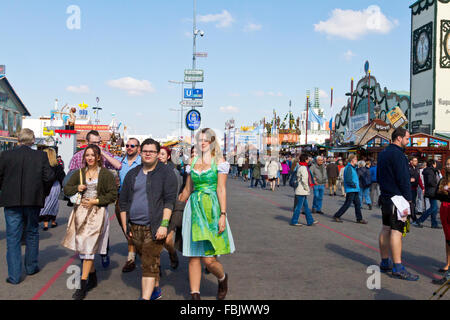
(91, 176)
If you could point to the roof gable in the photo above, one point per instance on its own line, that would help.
(4, 83)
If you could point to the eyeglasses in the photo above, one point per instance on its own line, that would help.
(95, 142)
(151, 152)
(131, 146)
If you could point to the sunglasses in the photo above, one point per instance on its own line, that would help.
(131, 146)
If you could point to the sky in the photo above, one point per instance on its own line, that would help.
(261, 55)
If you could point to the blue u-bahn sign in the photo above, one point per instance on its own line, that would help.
(193, 93)
(193, 120)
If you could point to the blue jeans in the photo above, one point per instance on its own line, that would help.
(302, 202)
(15, 218)
(433, 210)
(318, 197)
(365, 193)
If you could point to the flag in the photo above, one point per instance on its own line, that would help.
(313, 117)
(331, 124)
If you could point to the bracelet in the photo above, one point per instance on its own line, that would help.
(165, 223)
(223, 214)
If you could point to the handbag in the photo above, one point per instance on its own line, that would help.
(76, 198)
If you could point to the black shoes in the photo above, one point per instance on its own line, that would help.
(370, 207)
(195, 296)
(129, 266)
(223, 288)
(92, 281)
(361, 221)
(80, 294)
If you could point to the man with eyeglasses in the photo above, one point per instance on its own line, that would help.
(131, 160)
(147, 199)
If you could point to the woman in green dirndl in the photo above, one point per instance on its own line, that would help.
(206, 233)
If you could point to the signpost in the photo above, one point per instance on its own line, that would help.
(192, 75)
(192, 103)
(193, 120)
(193, 93)
(201, 54)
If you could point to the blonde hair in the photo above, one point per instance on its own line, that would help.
(26, 137)
(214, 146)
(51, 154)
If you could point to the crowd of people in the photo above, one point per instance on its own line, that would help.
(157, 205)
(362, 181)
(183, 208)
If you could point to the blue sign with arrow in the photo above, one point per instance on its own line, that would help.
(193, 93)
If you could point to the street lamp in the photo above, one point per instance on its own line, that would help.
(182, 83)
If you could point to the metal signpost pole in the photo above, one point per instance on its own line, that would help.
(307, 116)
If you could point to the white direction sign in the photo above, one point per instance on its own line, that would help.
(193, 75)
(192, 103)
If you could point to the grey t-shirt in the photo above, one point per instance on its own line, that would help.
(139, 213)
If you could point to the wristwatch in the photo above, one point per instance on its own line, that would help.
(223, 214)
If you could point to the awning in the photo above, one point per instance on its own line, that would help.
(344, 149)
(8, 139)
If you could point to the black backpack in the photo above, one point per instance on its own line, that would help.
(293, 181)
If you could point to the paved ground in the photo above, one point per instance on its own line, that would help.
(273, 260)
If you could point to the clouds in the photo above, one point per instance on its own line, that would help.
(353, 25)
(349, 55)
(222, 20)
(133, 87)
(229, 109)
(252, 27)
(78, 89)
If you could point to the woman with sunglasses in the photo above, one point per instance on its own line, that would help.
(88, 227)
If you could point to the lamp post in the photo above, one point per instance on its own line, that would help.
(307, 117)
(368, 100)
(195, 33)
(181, 106)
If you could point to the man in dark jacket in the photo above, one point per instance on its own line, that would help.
(147, 199)
(23, 175)
(393, 178)
(431, 180)
(333, 174)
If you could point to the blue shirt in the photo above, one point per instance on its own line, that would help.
(125, 167)
(373, 174)
(393, 173)
(139, 213)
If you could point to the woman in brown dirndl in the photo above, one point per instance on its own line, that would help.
(88, 227)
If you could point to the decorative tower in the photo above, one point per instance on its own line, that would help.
(430, 66)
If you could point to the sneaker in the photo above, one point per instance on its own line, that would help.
(386, 268)
(320, 212)
(314, 223)
(105, 261)
(417, 224)
(156, 294)
(362, 221)
(436, 227)
(404, 275)
(439, 281)
(295, 224)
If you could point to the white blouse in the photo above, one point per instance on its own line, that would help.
(223, 168)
